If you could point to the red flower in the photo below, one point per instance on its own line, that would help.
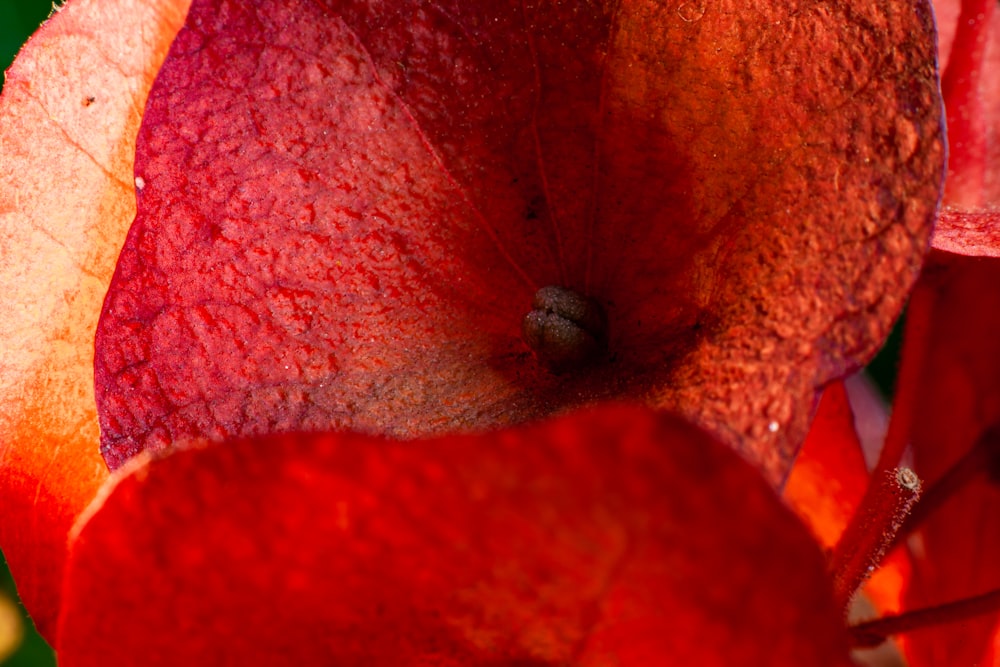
(343, 219)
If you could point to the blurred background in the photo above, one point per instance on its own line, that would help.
(20, 645)
(18, 19)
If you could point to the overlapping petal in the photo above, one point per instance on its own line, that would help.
(345, 213)
(750, 241)
(71, 107)
(830, 476)
(614, 536)
(958, 401)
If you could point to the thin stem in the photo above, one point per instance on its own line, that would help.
(870, 533)
(856, 555)
(873, 633)
(980, 460)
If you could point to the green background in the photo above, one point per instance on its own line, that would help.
(18, 19)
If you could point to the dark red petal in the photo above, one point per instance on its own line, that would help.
(615, 536)
(346, 214)
(959, 399)
(970, 51)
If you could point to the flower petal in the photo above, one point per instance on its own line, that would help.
(970, 50)
(70, 110)
(829, 476)
(959, 544)
(614, 536)
(346, 214)
(968, 232)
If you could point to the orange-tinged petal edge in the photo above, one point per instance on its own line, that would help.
(70, 111)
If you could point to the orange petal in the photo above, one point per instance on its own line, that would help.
(829, 476)
(70, 112)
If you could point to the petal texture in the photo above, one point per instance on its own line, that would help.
(346, 211)
(970, 51)
(70, 111)
(615, 536)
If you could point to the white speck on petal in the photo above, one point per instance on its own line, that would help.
(773, 427)
(140, 182)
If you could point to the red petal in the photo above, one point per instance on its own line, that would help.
(972, 99)
(68, 118)
(970, 49)
(959, 398)
(609, 537)
(345, 215)
(968, 232)
(829, 476)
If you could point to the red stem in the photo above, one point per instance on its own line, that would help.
(871, 532)
(873, 633)
(854, 552)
